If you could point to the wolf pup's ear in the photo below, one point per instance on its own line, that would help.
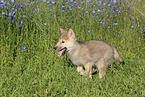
(63, 31)
(71, 33)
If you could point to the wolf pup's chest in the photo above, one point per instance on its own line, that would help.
(74, 57)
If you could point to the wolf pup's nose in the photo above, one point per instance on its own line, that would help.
(55, 47)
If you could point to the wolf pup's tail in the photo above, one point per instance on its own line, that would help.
(117, 57)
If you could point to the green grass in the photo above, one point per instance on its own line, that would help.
(38, 71)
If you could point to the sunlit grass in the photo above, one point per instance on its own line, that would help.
(30, 29)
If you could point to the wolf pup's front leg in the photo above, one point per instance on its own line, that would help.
(88, 69)
(80, 70)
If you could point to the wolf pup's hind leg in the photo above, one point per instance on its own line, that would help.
(102, 67)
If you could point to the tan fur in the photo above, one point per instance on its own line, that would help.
(88, 54)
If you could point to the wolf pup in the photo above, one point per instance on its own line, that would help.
(87, 55)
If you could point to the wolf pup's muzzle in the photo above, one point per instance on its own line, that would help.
(61, 50)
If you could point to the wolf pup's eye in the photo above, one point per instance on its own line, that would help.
(63, 41)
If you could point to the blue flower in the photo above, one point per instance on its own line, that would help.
(37, 24)
(20, 57)
(119, 11)
(86, 12)
(93, 16)
(120, 8)
(24, 16)
(73, 6)
(24, 48)
(20, 25)
(132, 26)
(79, 6)
(132, 7)
(67, 20)
(115, 23)
(91, 3)
(44, 0)
(135, 24)
(22, 5)
(12, 8)
(83, 24)
(48, 2)
(115, 1)
(3, 13)
(103, 23)
(104, 3)
(70, 8)
(89, 0)
(94, 11)
(19, 48)
(132, 3)
(67, 2)
(50, 9)
(108, 26)
(83, 2)
(12, 1)
(2, 1)
(88, 31)
(97, 16)
(11, 15)
(21, 22)
(53, 1)
(62, 11)
(12, 21)
(98, 2)
(109, 4)
(20, 9)
(98, 10)
(1, 5)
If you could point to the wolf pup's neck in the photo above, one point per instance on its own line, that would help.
(74, 46)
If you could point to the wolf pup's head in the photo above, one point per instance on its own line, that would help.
(66, 41)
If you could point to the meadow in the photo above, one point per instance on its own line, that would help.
(29, 29)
